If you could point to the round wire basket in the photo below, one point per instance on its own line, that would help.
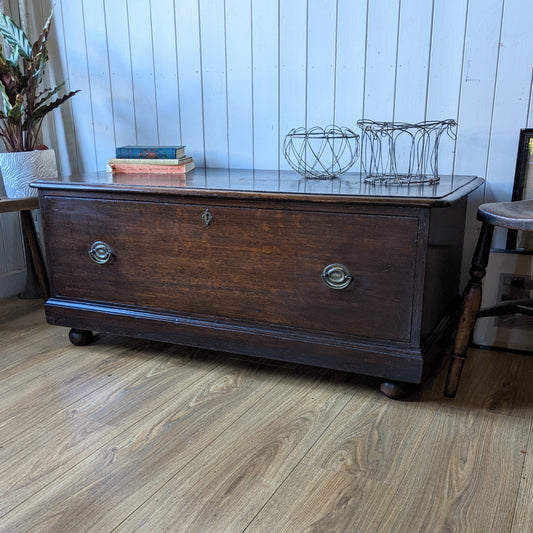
(400, 153)
(321, 153)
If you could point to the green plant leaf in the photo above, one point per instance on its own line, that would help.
(9, 78)
(23, 102)
(45, 95)
(5, 99)
(15, 114)
(40, 112)
(39, 52)
(15, 37)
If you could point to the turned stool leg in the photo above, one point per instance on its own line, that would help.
(469, 309)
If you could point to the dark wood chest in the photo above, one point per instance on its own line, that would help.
(335, 273)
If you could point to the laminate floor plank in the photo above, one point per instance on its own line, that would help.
(317, 500)
(360, 441)
(77, 373)
(101, 491)
(450, 486)
(492, 382)
(126, 435)
(36, 371)
(27, 337)
(15, 308)
(466, 476)
(523, 515)
(343, 481)
(19, 318)
(229, 482)
(35, 459)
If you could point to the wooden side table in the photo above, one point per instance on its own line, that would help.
(24, 206)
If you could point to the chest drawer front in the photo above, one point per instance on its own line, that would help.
(259, 265)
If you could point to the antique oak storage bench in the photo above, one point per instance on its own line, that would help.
(337, 273)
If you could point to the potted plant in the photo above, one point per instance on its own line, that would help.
(23, 106)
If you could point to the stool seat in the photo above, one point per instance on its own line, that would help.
(512, 215)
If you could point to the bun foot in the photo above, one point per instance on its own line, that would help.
(395, 390)
(80, 337)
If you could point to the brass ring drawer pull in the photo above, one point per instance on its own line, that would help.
(336, 276)
(100, 252)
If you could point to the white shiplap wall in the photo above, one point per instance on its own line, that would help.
(229, 78)
(12, 262)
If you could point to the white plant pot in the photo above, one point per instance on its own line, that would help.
(19, 169)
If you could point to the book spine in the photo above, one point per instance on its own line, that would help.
(149, 152)
(147, 162)
(152, 169)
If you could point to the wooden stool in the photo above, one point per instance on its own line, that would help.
(25, 205)
(510, 215)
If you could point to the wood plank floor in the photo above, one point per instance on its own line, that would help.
(127, 435)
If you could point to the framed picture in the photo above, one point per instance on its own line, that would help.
(509, 277)
(522, 188)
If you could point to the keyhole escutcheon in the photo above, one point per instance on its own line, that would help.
(207, 217)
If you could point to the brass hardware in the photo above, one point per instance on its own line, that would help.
(336, 276)
(207, 217)
(100, 252)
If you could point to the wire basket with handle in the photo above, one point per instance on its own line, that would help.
(321, 153)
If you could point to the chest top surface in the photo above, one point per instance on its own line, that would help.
(269, 184)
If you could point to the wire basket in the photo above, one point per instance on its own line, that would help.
(401, 153)
(321, 153)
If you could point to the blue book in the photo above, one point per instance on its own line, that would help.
(150, 152)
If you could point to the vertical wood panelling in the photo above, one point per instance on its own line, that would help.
(142, 68)
(12, 234)
(321, 62)
(414, 38)
(446, 61)
(350, 65)
(3, 247)
(99, 82)
(166, 72)
(119, 60)
(36, 19)
(11, 251)
(265, 38)
(212, 31)
(477, 86)
(382, 46)
(511, 101)
(476, 101)
(293, 68)
(190, 78)
(242, 65)
(446, 67)
(238, 41)
(411, 78)
(75, 54)
(65, 141)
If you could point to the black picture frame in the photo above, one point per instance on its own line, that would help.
(523, 179)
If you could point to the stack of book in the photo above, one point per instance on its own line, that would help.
(150, 159)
